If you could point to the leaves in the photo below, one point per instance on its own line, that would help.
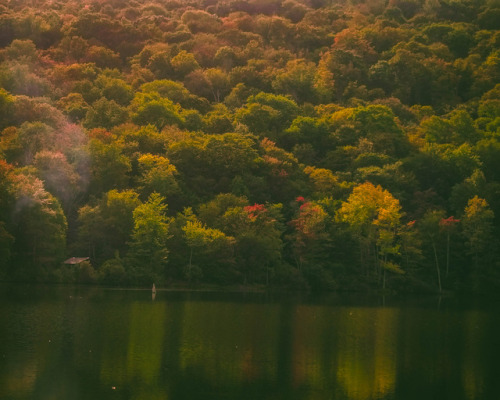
(289, 134)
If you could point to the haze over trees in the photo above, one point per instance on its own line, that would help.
(299, 143)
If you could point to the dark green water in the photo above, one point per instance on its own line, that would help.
(78, 343)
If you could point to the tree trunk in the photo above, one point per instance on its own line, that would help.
(190, 263)
(437, 266)
(447, 254)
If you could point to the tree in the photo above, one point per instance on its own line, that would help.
(458, 129)
(297, 79)
(6, 204)
(226, 58)
(106, 228)
(148, 248)
(21, 144)
(115, 89)
(212, 83)
(74, 106)
(374, 216)
(157, 175)
(477, 224)
(105, 113)
(219, 120)
(325, 183)
(6, 108)
(430, 229)
(448, 225)
(102, 57)
(310, 234)
(208, 163)
(6, 242)
(379, 125)
(91, 237)
(176, 92)
(39, 228)
(212, 243)
(6, 171)
(201, 21)
(151, 108)
(22, 49)
(109, 167)
(212, 212)
(257, 230)
(184, 63)
(309, 130)
(267, 114)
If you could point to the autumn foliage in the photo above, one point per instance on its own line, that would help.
(306, 144)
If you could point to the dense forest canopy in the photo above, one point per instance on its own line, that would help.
(348, 144)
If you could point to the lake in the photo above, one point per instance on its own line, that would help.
(93, 343)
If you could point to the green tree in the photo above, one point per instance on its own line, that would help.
(91, 236)
(184, 63)
(267, 114)
(40, 228)
(176, 92)
(219, 120)
(212, 83)
(430, 229)
(257, 229)
(211, 243)
(20, 145)
(6, 108)
(6, 242)
(157, 175)
(309, 130)
(102, 57)
(325, 183)
(209, 163)
(106, 228)
(74, 106)
(115, 89)
(105, 113)
(6, 204)
(148, 248)
(109, 166)
(151, 108)
(297, 79)
(211, 213)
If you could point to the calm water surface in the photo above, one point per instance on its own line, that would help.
(80, 343)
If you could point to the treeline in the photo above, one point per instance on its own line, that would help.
(300, 143)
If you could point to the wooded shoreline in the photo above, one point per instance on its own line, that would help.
(299, 144)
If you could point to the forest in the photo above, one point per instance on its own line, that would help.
(301, 144)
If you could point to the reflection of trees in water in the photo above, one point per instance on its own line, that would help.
(221, 349)
(366, 362)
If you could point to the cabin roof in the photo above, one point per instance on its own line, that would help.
(75, 260)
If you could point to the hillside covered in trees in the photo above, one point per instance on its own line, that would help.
(348, 145)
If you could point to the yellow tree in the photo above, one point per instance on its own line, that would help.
(211, 242)
(374, 215)
(477, 224)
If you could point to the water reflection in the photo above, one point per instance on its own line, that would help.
(110, 343)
